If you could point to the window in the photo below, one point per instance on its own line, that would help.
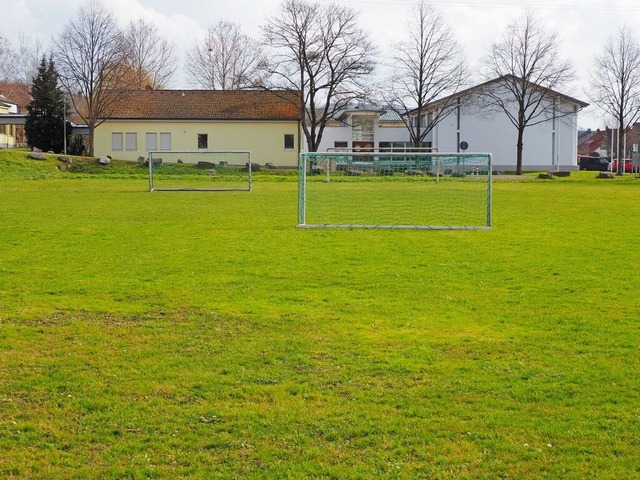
(152, 141)
(116, 141)
(362, 128)
(132, 141)
(203, 140)
(165, 141)
(340, 145)
(289, 143)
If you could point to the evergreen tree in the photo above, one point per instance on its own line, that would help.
(44, 126)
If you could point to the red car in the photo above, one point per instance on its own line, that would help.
(628, 166)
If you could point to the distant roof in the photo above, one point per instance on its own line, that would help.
(386, 114)
(16, 93)
(480, 86)
(590, 141)
(208, 105)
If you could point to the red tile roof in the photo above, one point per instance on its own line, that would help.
(590, 142)
(208, 105)
(17, 93)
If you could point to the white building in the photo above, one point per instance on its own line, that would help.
(550, 142)
(365, 128)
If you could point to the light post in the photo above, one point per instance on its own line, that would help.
(64, 116)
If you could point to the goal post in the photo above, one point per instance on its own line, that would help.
(200, 170)
(414, 190)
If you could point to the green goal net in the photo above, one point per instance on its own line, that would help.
(427, 191)
(200, 170)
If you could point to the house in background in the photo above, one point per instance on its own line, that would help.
(265, 123)
(550, 145)
(14, 98)
(7, 130)
(600, 142)
(365, 128)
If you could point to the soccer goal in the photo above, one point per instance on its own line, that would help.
(424, 191)
(200, 170)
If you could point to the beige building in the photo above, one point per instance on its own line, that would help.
(7, 130)
(265, 123)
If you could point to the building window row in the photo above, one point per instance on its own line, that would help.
(129, 141)
(162, 141)
(401, 147)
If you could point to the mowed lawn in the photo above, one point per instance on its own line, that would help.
(201, 335)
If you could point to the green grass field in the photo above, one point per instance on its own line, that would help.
(201, 335)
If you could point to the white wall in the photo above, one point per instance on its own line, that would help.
(496, 135)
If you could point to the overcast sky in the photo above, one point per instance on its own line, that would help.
(583, 26)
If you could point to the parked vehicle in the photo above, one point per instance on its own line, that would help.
(628, 166)
(599, 164)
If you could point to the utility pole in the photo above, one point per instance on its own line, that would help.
(64, 115)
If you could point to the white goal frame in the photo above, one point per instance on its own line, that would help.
(434, 165)
(158, 155)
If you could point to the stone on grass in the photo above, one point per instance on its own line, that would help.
(38, 155)
(605, 175)
(104, 160)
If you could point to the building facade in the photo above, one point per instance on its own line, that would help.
(265, 123)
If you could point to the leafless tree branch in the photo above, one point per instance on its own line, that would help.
(428, 65)
(92, 58)
(529, 67)
(226, 59)
(151, 56)
(615, 82)
(320, 51)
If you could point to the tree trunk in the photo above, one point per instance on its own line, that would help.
(519, 148)
(620, 147)
(90, 141)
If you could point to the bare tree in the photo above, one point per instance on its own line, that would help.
(428, 65)
(321, 52)
(226, 59)
(29, 54)
(91, 55)
(7, 61)
(528, 65)
(151, 57)
(615, 83)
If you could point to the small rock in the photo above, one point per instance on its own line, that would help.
(605, 175)
(205, 165)
(141, 159)
(65, 159)
(270, 166)
(35, 149)
(546, 176)
(38, 155)
(104, 160)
